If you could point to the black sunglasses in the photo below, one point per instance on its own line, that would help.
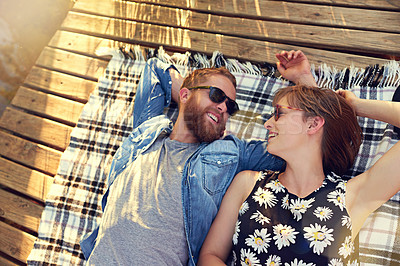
(218, 96)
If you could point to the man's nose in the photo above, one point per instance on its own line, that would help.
(223, 106)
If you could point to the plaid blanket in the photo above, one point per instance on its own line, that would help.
(73, 203)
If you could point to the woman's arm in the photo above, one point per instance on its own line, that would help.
(368, 191)
(385, 111)
(218, 243)
(294, 66)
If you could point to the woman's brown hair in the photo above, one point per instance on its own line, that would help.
(342, 134)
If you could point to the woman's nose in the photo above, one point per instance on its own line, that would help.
(268, 124)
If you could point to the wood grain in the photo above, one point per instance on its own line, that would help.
(25, 180)
(319, 37)
(28, 153)
(175, 38)
(72, 63)
(14, 242)
(40, 129)
(48, 105)
(301, 13)
(20, 210)
(71, 87)
(6, 262)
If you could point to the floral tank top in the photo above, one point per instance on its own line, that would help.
(275, 227)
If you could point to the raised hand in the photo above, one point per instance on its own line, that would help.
(294, 66)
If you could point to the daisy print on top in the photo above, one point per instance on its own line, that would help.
(323, 213)
(264, 196)
(300, 206)
(284, 235)
(279, 228)
(243, 208)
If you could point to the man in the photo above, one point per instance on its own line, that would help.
(166, 182)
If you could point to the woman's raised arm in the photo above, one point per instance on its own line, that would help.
(368, 191)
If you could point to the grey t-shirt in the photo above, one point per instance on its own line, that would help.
(142, 223)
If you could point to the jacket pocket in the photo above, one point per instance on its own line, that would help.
(218, 171)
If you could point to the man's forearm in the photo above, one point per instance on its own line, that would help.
(177, 81)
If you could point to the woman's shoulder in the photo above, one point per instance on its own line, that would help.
(268, 174)
(247, 174)
(243, 183)
(335, 179)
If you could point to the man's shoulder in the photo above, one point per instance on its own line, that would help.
(152, 126)
(156, 121)
(235, 139)
(229, 141)
(225, 140)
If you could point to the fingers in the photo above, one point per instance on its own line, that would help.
(286, 56)
(348, 95)
(281, 68)
(339, 91)
(298, 54)
(282, 57)
(292, 55)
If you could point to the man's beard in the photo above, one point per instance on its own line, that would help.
(196, 121)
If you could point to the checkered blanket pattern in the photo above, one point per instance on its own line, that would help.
(73, 206)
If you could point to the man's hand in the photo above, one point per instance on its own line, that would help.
(295, 67)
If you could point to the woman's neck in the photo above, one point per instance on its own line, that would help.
(301, 179)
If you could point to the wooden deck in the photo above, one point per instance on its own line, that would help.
(35, 128)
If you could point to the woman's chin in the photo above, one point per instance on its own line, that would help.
(273, 149)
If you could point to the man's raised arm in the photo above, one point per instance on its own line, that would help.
(177, 81)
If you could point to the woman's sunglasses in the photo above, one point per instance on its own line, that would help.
(276, 112)
(218, 96)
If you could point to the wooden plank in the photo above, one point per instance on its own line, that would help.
(73, 64)
(24, 180)
(320, 37)
(40, 129)
(6, 262)
(332, 16)
(50, 106)
(19, 210)
(34, 155)
(370, 4)
(88, 44)
(182, 40)
(68, 86)
(14, 242)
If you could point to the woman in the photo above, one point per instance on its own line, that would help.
(305, 214)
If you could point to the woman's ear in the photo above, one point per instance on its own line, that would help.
(184, 94)
(314, 124)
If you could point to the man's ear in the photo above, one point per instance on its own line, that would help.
(314, 124)
(184, 94)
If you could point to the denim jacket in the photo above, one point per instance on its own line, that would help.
(207, 173)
